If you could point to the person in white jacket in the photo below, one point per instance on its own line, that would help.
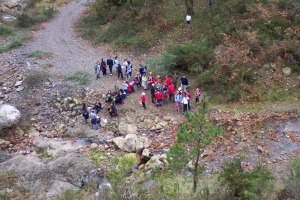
(185, 102)
(188, 19)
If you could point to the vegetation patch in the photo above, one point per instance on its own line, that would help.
(39, 54)
(80, 77)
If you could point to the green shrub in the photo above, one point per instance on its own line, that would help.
(252, 184)
(25, 20)
(39, 54)
(293, 180)
(48, 11)
(5, 30)
(80, 77)
(275, 29)
(34, 79)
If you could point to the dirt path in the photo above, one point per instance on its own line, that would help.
(58, 37)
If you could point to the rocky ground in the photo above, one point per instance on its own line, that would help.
(53, 138)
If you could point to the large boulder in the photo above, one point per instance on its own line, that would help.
(58, 187)
(142, 143)
(286, 71)
(130, 142)
(125, 128)
(9, 116)
(119, 142)
(154, 162)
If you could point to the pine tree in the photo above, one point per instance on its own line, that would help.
(191, 137)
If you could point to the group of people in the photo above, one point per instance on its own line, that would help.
(125, 67)
(161, 91)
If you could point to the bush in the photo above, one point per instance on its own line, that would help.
(245, 184)
(80, 77)
(293, 180)
(34, 79)
(24, 20)
(39, 54)
(5, 30)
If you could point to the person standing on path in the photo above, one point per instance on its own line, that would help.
(152, 92)
(171, 91)
(188, 19)
(116, 64)
(110, 64)
(175, 79)
(143, 98)
(85, 112)
(197, 95)
(185, 101)
(178, 100)
(94, 124)
(103, 66)
(120, 73)
(184, 83)
(98, 71)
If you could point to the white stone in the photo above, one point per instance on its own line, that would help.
(9, 116)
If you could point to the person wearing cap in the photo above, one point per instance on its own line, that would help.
(178, 99)
(143, 98)
(197, 95)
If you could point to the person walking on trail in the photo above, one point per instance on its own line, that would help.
(143, 98)
(175, 79)
(116, 64)
(197, 95)
(178, 100)
(94, 124)
(184, 83)
(85, 112)
(185, 102)
(188, 19)
(103, 66)
(110, 64)
(120, 73)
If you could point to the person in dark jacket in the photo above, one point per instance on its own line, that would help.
(97, 106)
(184, 83)
(120, 71)
(110, 64)
(85, 112)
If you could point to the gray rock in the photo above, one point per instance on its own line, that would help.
(130, 142)
(163, 124)
(94, 146)
(142, 143)
(18, 83)
(19, 89)
(154, 162)
(4, 156)
(19, 132)
(58, 187)
(119, 142)
(9, 116)
(286, 71)
(33, 132)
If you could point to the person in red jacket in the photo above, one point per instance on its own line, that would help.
(167, 80)
(171, 89)
(158, 97)
(143, 98)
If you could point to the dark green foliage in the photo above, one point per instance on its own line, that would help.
(25, 20)
(5, 30)
(81, 77)
(274, 30)
(293, 180)
(245, 184)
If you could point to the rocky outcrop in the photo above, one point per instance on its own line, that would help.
(131, 143)
(72, 169)
(9, 116)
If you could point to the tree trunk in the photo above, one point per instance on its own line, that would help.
(195, 178)
(189, 4)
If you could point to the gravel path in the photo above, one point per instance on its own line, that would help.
(58, 37)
